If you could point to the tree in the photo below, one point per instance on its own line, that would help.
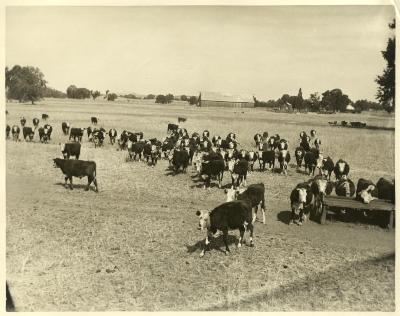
(314, 102)
(335, 100)
(299, 100)
(53, 93)
(150, 97)
(161, 99)
(192, 100)
(184, 97)
(169, 97)
(95, 94)
(111, 96)
(77, 93)
(386, 82)
(24, 83)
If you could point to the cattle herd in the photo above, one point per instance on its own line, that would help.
(211, 157)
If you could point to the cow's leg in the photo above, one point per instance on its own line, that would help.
(206, 244)
(241, 230)
(95, 183)
(65, 184)
(70, 180)
(251, 229)
(90, 179)
(225, 238)
(293, 217)
(301, 218)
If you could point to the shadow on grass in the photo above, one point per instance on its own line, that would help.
(215, 244)
(77, 186)
(284, 217)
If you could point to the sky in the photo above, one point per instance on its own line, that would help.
(264, 51)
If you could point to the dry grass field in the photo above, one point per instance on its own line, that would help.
(135, 245)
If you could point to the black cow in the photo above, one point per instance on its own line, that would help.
(386, 190)
(94, 119)
(181, 119)
(35, 122)
(212, 168)
(135, 149)
(238, 169)
(23, 121)
(172, 127)
(305, 142)
(327, 167)
(341, 169)
(313, 133)
(310, 162)
(301, 200)
(366, 191)
(77, 168)
(255, 193)
(180, 159)
(76, 134)
(227, 216)
(345, 187)
(266, 157)
(89, 132)
(45, 116)
(284, 159)
(28, 133)
(8, 129)
(65, 128)
(299, 154)
(70, 149)
(147, 151)
(112, 133)
(15, 130)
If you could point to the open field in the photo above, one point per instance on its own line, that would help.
(135, 244)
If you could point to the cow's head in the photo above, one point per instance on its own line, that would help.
(299, 153)
(260, 146)
(341, 165)
(232, 194)
(231, 145)
(251, 155)
(302, 195)
(346, 186)
(204, 219)
(313, 132)
(321, 185)
(366, 195)
(57, 162)
(242, 153)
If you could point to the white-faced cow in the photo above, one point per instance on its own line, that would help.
(35, 122)
(15, 130)
(341, 169)
(366, 191)
(65, 128)
(112, 133)
(238, 169)
(301, 199)
(299, 154)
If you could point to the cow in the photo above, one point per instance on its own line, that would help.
(147, 151)
(251, 157)
(216, 140)
(341, 169)
(76, 134)
(211, 168)
(89, 132)
(8, 129)
(345, 187)
(282, 144)
(45, 116)
(35, 122)
(266, 157)
(65, 128)
(205, 145)
(48, 130)
(284, 159)
(166, 148)
(327, 167)
(77, 168)
(257, 139)
(366, 191)
(180, 159)
(98, 138)
(28, 133)
(172, 127)
(15, 130)
(225, 217)
(93, 120)
(135, 149)
(301, 199)
(23, 121)
(43, 136)
(238, 169)
(206, 133)
(310, 162)
(317, 143)
(70, 149)
(155, 153)
(386, 190)
(305, 142)
(299, 154)
(255, 193)
(313, 133)
(181, 119)
(320, 187)
(112, 133)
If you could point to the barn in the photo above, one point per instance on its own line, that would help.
(217, 99)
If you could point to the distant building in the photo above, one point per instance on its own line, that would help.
(216, 99)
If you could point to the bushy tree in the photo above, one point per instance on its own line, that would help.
(95, 94)
(169, 98)
(386, 82)
(24, 83)
(161, 99)
(53, 93)
(184, 97)
(111, 96)
(77, 93)
(192, 100)
(335, 100)
(314, 102)
(150, 97)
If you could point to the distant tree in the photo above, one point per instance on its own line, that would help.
(150, 97)
(53, 93)
(192, 100)
(335, 100)
(161, 99)
(111, 96)
(24, 83)
(95, 94)
(169, 97)
(130, 96)
(314, 102)
(299, 100)
(386, 82)
(184, 97)
(77, 93)
(365, 105)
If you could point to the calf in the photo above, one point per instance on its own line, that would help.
(386, 190)
(28, 133)
(301, 199)
(45, 116)
(227, 216)
(366, 191)
(65, 128)
(93, 119)
(255, 193)
(77, 168)
(341, 169)
(35, 122)
(70, 149)
(76, 134)
(266, 157)
(8, 129)
(112, 133)
(284, 159)
(155, 153)
(345, 187)
(180, 159)
(212, 168)
(299, 154)
(15, 130)
(238, 169)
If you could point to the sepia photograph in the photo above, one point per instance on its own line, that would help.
(199, 158)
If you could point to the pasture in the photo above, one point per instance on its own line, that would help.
(135, 246)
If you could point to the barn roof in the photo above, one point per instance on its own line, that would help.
(225, 97)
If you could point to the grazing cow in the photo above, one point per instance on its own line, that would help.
(345, 187)
(10, 307)
(320, 187)
(77, 168)
(301, 199)
(238, 169)
(98, 138)
(15, 130)
(341, 169)
(8, 129)
(23, 121)
(172, 127)
(28, 133)
(284, 159)
(386, 190)
(181, 119)
(258, 139)
(135, 149)
(65, 128)
(35, 122)
(211, 168)
(310, 162)
(366, 191)
(327, 167)
(112, 133)
(70, 149)
(299, 154)
(266, 157)
(225, 217)
(94, 119)
(255, 193)
(76, 134)
(45, 116)
(180, 159)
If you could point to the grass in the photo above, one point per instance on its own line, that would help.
(134, 245)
